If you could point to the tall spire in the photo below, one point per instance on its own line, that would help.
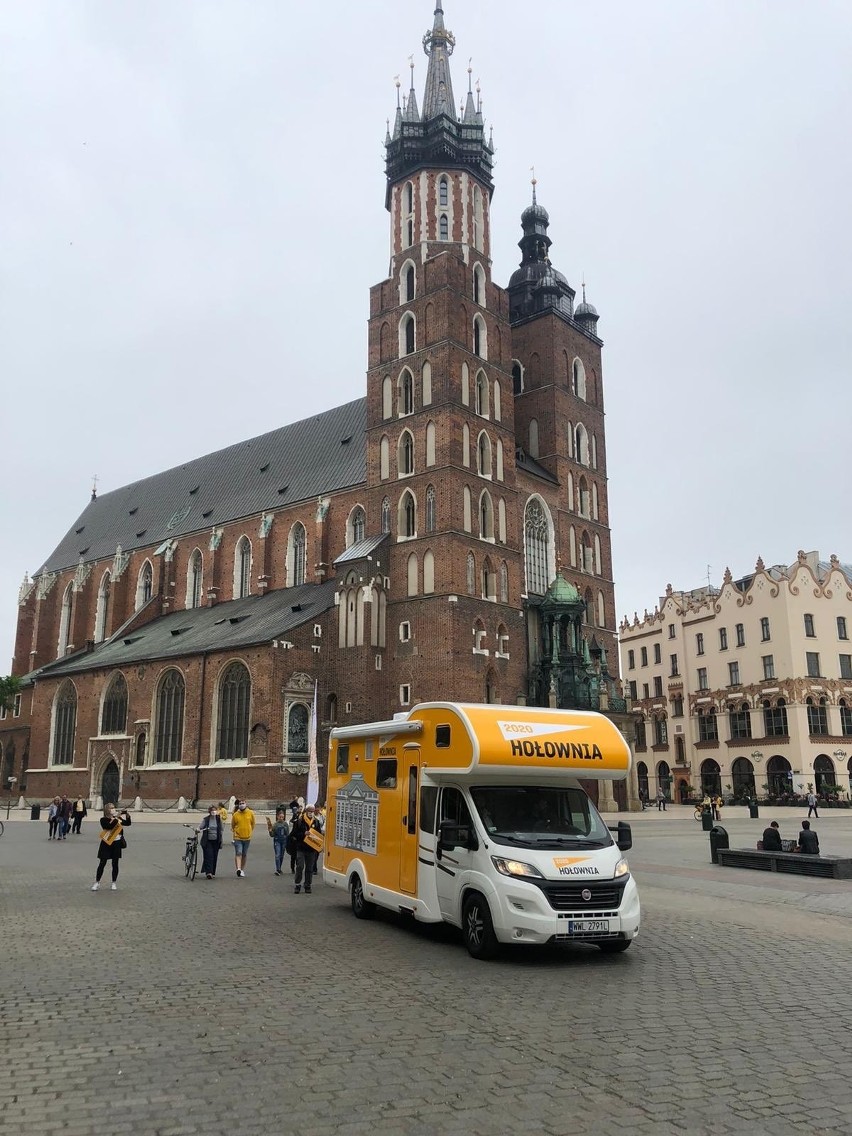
(439, 45)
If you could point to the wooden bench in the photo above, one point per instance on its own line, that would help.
(793, 863)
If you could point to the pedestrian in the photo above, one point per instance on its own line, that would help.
(661, 800)
(78, 813)
(308, 833)
(812, 805)
(242, 826)
(212, 832)
(64, 826)
(717, 807)
(223, 812)
(53, 819)
(279, 831)
(112, 843)
(808, 840)
(292, 845)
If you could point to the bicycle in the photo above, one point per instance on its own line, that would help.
(2, 828)
(190, 853)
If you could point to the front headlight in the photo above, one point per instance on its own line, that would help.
(514, 867)
(622, 868)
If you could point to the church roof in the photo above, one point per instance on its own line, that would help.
(294, 463)
(225, 626)
(361, 549)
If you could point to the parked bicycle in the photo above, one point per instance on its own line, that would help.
(190, 853)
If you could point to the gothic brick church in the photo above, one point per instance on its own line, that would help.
(445, 536)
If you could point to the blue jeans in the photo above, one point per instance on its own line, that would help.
(280, 847)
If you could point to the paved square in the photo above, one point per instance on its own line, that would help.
(234, 1006)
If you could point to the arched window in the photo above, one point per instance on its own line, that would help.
(234, 703)
(593, 458)
(533, 446)
(483, 455)
(711, 777)
(481, 396)
(426, 383)
(601, 610)
(499, 459)
(387, 397)
(775, 719)
(171, 695)
(356, 529)
(408, 211)
(478, 218)
(406, 392)
(428, 573)
(825, 779)
(405, 454)
(413, 575)
(595, 500)
(504, 583)
(65, 619)
(572, 546)
(194, 579)
(536, 547)
(598, 571)
(498, 409)
(242, 568)
(64, 724)
(467, 521)
(581, 445)
(465, 384)
(443, 228)
(465, 445)
(407, 516)
(501, 520)
(298, 729)
(144, 585)
(584, 498)
(409, 283)
(489, 580)
(331, 708)
(578, 379)
(407, 338)
(471, 574)
(430, 443)
(779, 775)
(742, 776)
(664, 779)
(817, 717)
(296, 555)
(708, 727)
(386, 516)
(486, 516)
(588, 564)
(443, 192)
(141, 748)
(431, 507)
(102, 609)
(739, 721)
(480, 337)
(517, 377)
(384, 457)
(114, 710)
(845, 719)
(479, 285)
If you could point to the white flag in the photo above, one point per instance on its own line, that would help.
(313, 769)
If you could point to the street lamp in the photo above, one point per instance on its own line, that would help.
(12, 781)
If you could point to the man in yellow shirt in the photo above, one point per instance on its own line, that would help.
(242, 826)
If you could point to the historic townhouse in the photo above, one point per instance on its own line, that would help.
(746, 689)
(402, 547)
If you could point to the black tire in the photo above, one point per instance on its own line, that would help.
(194, 864)
(1, 827)
(614, 946)
(361, 906)
(478, 927)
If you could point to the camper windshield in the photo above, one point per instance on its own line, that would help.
(539, 817)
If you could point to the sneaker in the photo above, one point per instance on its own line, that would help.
(238, 871)
(209, 876)
(95, 886)
(297, 889)
(278, 871)
(113, 887)
(307, 891)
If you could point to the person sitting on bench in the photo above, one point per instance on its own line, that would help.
(808, 840)
(772, 838)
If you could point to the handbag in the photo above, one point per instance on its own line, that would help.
(313, 839)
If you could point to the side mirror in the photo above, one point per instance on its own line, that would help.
(453, 836)
(624, 836)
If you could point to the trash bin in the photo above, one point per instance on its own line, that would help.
(706, 818)
(718, 839)
(753, 810)
(35, 812)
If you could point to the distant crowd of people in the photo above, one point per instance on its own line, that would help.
(64, 816)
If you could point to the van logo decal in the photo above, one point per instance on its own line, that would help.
(512, 730)
(574, 866)
(586, 894)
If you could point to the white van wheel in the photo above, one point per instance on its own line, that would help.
(361, 907)
(478, 927)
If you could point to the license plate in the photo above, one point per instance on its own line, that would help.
(587, 926)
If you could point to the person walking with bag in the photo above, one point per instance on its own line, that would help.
(112, 842)
(212, 837)
(78, 813)
(279, 831)
(308, 834)
(52, 818)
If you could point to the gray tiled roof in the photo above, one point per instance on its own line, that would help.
(238, 623)
(530, 465)
(361, 549)
(293, 463)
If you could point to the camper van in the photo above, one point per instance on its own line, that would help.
(475, 816)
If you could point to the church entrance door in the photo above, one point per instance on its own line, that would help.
(110, 784)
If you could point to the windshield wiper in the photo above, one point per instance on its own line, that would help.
(505, 836)
(572, 841)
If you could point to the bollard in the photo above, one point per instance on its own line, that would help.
(718, 839)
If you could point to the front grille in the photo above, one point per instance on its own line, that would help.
(565, 896)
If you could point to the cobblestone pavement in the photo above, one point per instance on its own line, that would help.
(234, 1006)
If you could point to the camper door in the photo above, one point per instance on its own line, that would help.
(454, 839)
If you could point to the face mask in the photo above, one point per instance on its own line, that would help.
(242, 808)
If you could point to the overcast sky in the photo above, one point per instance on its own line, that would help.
(189, 189)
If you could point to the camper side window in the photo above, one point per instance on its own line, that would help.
(342, 765)
(442, 737)
(428, 807)
(386, 773)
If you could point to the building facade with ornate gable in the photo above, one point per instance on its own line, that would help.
(444, 537)
(746, 689)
